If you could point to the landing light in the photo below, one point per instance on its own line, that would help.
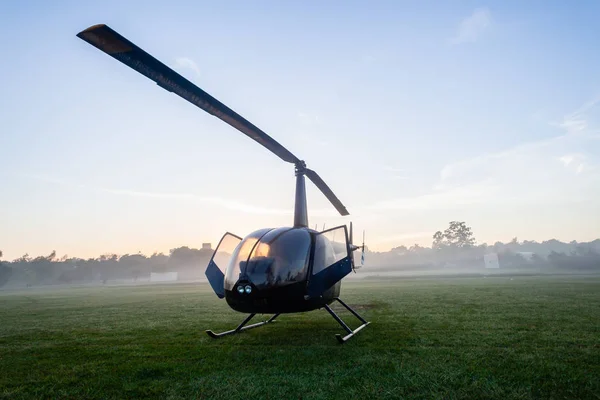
(240, 289)
(248, 289)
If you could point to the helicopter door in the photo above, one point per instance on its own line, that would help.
(331, 261)
(215, 272)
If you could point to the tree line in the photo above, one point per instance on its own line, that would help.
(44, 270)
(455, 246)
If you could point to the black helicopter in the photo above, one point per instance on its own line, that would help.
(270, 271)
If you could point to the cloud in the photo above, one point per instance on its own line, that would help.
(578, 120)
(560, 169)
(187, 63)
(535, 158)
(234, 205)
(566, 160)
(231, 204)
(484, 162)
(574, 162)
(472, 27)
(400, 237)
(440, 198)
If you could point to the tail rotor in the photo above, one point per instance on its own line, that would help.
(362, 253)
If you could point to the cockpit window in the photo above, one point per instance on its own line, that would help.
(280, 258)
(239, 256)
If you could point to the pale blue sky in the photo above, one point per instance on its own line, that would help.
(415, 113)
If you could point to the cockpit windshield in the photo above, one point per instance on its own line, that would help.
(239, 256)
(280, 258)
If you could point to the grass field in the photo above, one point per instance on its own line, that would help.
(457, 338)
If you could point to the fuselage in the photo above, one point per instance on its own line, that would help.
(270, 271)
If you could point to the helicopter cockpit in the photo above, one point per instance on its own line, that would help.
(274, 258)
(270, 258)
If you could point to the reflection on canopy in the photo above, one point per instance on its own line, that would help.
(239, 256)
(280, 258)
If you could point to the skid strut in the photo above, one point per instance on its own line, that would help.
(343, 324)
(241, 327)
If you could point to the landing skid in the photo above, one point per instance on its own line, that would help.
(342, 339)
(343, 324)
(241, 327)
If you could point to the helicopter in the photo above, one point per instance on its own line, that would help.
(271, 270)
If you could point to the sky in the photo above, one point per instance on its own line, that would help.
(415, 113)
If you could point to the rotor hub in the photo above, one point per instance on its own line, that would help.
(300, 167)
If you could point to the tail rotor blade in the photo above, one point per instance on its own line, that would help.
(362, 255)
(316, 179)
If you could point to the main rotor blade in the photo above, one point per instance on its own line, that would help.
(316, 179)
(118, 47)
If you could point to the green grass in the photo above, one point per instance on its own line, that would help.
(492, 338)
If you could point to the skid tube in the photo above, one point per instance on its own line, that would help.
(340, 338)
(241, 327)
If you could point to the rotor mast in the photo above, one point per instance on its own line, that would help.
(300, 208)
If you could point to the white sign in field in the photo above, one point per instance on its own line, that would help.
(163, 276)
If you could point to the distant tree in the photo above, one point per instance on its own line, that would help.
(24, 262)
(0, 253)
(158, 262)
(42, 268)
(25, 258)
(457, 235)
(415, 248)
(438, 240)
(400, 250)
(185, 257)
